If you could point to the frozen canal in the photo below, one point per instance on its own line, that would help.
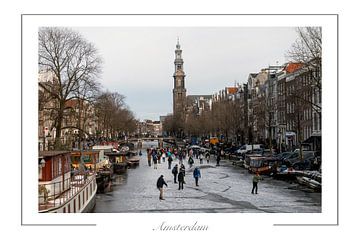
(221, 189)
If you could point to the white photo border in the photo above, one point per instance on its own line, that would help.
(29, 115)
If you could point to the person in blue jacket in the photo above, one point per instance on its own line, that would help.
(197, 175)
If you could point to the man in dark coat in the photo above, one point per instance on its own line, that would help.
(160, 184)
(218, 158)
(181, 179)
(181, 176)
(175, 171)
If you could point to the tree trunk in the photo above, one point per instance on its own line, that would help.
(58, 144)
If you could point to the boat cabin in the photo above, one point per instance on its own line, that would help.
(88, 157)
(117, 157)
(54, 172)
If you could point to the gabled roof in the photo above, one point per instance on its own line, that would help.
(253, 75)
(292, 67)
(232, 90)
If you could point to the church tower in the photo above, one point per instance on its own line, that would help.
(179, 91)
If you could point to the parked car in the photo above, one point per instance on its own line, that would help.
(283, 155)
(248, 147)
(231, 150)
(306, 163)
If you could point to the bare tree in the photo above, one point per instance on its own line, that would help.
(75, 64)
(113, 115)
(307, 49)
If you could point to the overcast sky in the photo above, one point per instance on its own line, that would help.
(139, 61)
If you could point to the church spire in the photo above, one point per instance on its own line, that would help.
(178, 44)
(178, 58)
(179, 91)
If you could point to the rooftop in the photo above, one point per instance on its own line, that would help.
(291, 67)
(232, 90)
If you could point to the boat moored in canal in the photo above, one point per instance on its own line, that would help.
(118, 161)
(133, 161)
(259, 164)
(60, 189)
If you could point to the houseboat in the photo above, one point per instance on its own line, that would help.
(258, 164)
(118, 161)
(133, 161)
(87, 158)
(90, 159)
(264, 165)
(62, 190)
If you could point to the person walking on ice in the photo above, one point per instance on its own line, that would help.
(169, 162)
(197, 175)
(181, 179)
(256, 179)
(201, 157)
(160, 185)
(175, 172)
(155, 159)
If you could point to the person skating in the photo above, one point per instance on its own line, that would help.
(207, 156)
(163, 156)
(197, 175)
(175, 172)
(201, 157)
(158, 156)
(182, 169)
(160, 185)
(181, 179)
(191, 161)
(155, 160)
(149, 157)
(255, 180)
(218, 158)
(169, 161)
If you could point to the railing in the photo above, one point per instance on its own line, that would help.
(56, 194)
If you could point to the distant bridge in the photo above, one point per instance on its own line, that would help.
(161, 140)
(152, 139)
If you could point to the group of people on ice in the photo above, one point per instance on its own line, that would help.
(178, 171)
(160, 155)
(179, 175)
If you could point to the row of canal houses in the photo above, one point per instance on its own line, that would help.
(282, 103)
(69, 180)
